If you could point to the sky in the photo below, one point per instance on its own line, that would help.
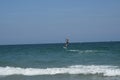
(52, 21)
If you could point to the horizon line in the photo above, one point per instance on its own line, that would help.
(55, 43)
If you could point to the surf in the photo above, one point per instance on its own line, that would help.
(104, 70)
(85, 51)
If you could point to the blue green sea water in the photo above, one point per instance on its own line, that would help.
(80, 61)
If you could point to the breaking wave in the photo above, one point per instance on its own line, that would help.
(76, 69)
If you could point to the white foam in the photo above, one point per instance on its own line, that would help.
(77, 69)
(74, 50)
(92, 51)
(84, 51)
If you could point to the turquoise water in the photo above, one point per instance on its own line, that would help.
(80, 61)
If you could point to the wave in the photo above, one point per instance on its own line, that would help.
(84, 51)
(76, 69)
(73, 50)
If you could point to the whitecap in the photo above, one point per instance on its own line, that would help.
(75, 69)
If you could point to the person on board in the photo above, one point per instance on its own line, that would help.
(67, 43)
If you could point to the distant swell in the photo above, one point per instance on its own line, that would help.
(77, 69)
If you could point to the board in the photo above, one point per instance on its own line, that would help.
(64, 47)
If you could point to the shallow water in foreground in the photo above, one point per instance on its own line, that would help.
(81, 61)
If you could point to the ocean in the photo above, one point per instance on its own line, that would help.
(80, 61)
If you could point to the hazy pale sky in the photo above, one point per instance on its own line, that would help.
(51, 21)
